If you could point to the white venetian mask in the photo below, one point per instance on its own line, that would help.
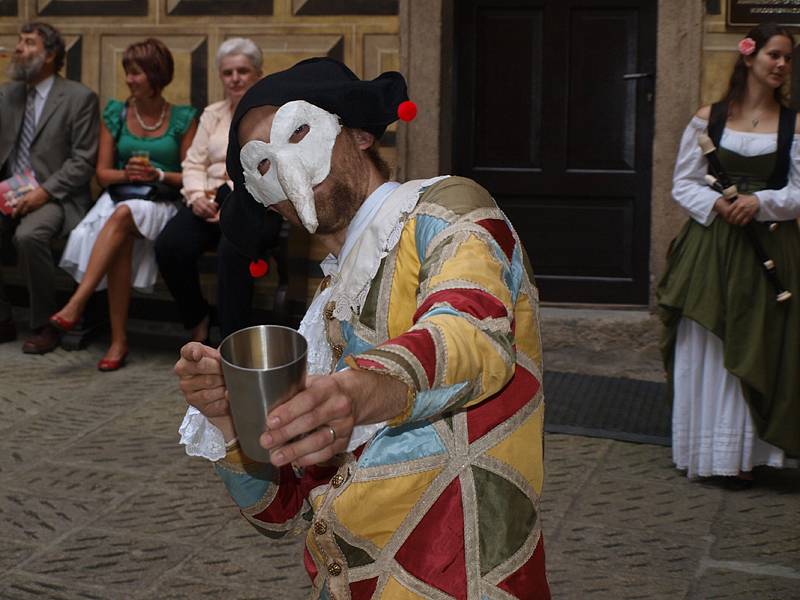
(294, 168)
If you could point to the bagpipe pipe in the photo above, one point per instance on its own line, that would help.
(719, 180)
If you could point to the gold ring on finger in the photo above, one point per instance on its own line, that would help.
(333, 433)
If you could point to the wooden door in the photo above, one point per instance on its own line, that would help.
(554, 116)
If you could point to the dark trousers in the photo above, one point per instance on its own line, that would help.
(178, 248)
(32, 235)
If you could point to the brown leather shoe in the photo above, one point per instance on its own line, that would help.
(42, 342)
(8, 333)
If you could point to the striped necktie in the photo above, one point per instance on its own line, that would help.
(23, 158)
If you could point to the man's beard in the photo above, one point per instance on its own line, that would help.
(20, 69)
(338, 208)
(347, 191)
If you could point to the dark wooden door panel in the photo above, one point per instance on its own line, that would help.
(594, 242)
(499, 142)
(547, 121)
(601, 121)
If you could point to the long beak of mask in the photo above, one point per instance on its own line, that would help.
(293, 169)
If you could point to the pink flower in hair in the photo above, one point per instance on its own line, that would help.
(747, 46)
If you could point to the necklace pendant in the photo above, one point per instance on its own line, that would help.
(755, 123)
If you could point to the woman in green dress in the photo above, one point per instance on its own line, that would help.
(732, 350)
(142, 140)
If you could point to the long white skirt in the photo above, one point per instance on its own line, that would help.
(150, 219)
(712, 430)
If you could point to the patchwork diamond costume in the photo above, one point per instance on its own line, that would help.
(442, 502)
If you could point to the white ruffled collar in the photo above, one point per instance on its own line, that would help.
(373, 233)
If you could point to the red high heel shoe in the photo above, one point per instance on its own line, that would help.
(112, 364)
(62, 324)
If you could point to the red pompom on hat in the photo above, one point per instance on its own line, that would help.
(406, 111)
(259, 268)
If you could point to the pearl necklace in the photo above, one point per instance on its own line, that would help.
(142, 124)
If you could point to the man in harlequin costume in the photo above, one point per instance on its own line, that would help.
(414, 455)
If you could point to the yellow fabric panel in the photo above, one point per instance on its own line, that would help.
(316, 501)
(237, 458)
(319, 557)
(395, 591)
(403, 300)
(374, 510)
(471, 354)
(527, 329)
(475, 262)
(522, 450)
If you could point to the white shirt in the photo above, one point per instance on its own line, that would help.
(204, 165)
(690, 190)
(42, 92)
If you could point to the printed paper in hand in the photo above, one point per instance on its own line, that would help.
(15, 187)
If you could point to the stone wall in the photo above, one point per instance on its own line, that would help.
(678, 72)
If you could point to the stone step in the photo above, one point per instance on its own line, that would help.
(601, 341)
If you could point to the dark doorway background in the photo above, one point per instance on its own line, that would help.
(554, 105)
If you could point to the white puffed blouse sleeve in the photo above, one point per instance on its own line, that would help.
(689, 188)
(783, 204)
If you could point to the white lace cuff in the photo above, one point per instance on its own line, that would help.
(201, 437)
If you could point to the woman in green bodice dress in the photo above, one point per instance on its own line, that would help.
(732, 350)
(142, 140)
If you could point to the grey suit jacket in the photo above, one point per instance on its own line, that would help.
(64, 147)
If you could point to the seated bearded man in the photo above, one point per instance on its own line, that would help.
(416, 446)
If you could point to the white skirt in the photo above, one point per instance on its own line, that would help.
(712, 430)
(150, 219)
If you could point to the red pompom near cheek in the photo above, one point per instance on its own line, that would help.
(407, 110)
(259, 268)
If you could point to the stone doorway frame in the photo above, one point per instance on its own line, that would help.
(426, 41)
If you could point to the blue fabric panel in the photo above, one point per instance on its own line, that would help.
(444, 309)
(245, 489)
(432, 402)
(517, 273)
(395, 445)
(426, 229)
(355, 345)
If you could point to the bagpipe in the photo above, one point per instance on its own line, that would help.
(720, 181)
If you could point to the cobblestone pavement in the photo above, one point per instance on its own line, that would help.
(98, 501)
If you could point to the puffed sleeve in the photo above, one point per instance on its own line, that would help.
(183, 116)
(112, 117)
(689, 188)
(783, 204)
